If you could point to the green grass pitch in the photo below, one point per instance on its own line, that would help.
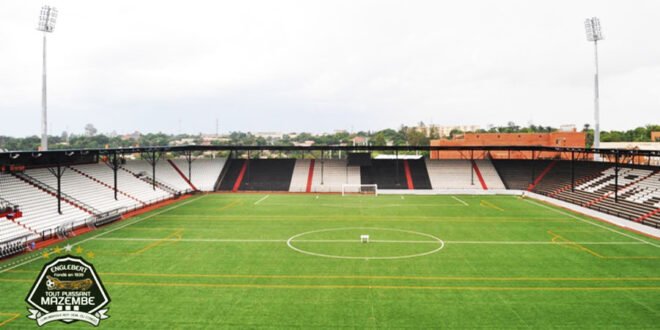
(296, 261)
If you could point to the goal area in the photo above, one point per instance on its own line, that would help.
(359, 189)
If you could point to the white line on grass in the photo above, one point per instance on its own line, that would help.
(261, 200)
(238, 240)
(107, 232)
(591, 223)
(460, 200)
(542, 243)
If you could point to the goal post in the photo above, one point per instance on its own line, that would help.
(359, 189)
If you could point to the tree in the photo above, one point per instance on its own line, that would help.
(455, 132)
(379, 139)
(434, 134)
(90, 130)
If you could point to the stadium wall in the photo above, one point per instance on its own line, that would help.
(554, 139)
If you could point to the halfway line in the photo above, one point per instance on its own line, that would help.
(239, 240)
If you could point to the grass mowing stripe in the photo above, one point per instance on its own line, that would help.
(107, 231)
(374, 277)
(371, 286)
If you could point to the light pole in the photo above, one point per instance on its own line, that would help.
(592, 27)
(47, 20)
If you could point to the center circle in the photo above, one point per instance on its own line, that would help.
(411, 243)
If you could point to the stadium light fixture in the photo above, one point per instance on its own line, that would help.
(594, 33)
(47, 20)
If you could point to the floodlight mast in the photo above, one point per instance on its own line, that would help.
(47, 20)
(594, 33)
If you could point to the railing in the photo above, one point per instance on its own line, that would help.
(12, 246)
(73, 225)
(106, 217)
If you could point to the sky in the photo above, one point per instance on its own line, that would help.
(176, 66)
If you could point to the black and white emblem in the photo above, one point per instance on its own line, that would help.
(68, 290)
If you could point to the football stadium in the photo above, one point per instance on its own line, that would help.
(342, 242)
(426, 226)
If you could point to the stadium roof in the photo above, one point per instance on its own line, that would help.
(190, 148)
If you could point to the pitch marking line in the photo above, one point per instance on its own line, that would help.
(261, 200)
(13, 316)
(240, 240)
(491, 205)
(591, 223)
(176, 234)
(293, 238)
(580, 247)
(107, 232)
(460, 200)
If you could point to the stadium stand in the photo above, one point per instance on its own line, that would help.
(452, 174)
(594, 186)
(258, 175)
(519, 174)
(232, 176)
(268, 175)
(557, 180)
(330, 174)
(10, 230)
(646, 191)
(129, 184)
(39, 207)
(88, 189)
(489, 174)
(205, 172)
(84, 190)
(300, 175)
(418, 173)
(386, 173)
(9, 248)
(166, 175)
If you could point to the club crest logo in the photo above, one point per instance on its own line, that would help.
(68, 289)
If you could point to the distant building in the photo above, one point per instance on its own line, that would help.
(132, 136)
(307, 143)
(444, 131)
(655, 136)
(271, 135)
(360, 141)
(554, 139)
(567, 128)
(636, 146)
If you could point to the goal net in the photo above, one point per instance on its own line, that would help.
(359, 189)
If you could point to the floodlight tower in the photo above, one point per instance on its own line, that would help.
(592, 27)
(47, 20)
